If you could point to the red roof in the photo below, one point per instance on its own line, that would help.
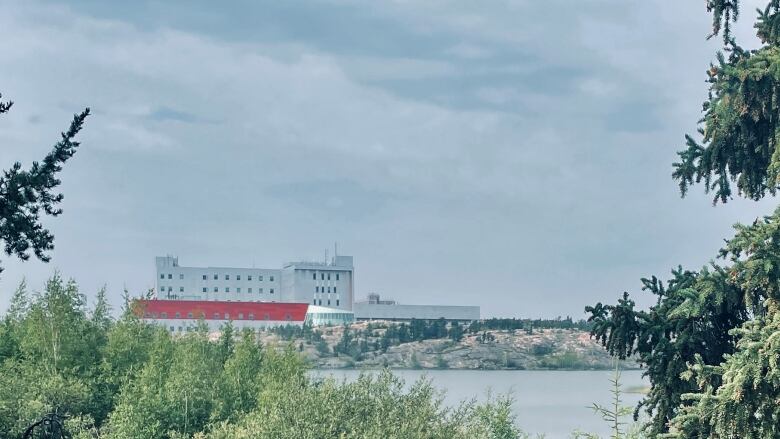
(218, 310)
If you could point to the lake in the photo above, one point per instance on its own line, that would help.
(551, 402)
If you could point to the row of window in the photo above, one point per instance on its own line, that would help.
(319, 302)
(192, 328)
(322, 276)
(227, 277)
(216, 316)
(322, 289)
(227, 290)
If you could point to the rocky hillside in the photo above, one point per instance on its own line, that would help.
(492, 349)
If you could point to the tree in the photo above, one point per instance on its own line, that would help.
(456, 332)
(740, 130)
(710, 344)
(25, 194)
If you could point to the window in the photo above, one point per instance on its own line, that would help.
(260, 278)
(189, 315)
(260, 290)
(337, 302)
(238, 289)
(266, 316)
(216, 316)
(162, 276)
(227, 277)
(178, 315)
(240, 316)
(179, 328)
(170, 289)
(170, 276)
(314, 275)
(172, 328)
(249, 290)
(322, 276)
(227, 316)
(328, 302)
(251, 316)
(216, 277)
(205, 289)
(238, 277)
(328, 276)
(271, 278)
(163, 315)
(320, 302)
(181, 276)
(337, 276)
(181, 289)
(287, 317)
(227, 289)
(249, 277)
(216, 289)
(334, 289)
(271, 291)
(204, 277)
(316, 289)
(315, 301)
(328, 290)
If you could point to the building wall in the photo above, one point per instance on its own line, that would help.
(370, 311)
(184, 315)
(185, 325)
(329, 285)
(314, 283)
(217, 283)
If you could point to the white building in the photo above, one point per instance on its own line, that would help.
(323, 284)
(376, 309)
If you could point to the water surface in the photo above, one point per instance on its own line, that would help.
(551, 402)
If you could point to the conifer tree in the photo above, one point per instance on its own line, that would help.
(26, 194)
(710, 343)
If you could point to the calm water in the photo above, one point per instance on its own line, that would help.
(551, 402)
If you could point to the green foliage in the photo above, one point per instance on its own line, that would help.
(614, 414)
(25, 194)
(739, 130)
(455, 332)
(693, 315)
(372, 407)
(528, 325)
(709, 343)
(745, 404)
(125, 378)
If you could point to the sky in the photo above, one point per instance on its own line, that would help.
(515, 155)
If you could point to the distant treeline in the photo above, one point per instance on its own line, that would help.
(529, 324)
(379, 336)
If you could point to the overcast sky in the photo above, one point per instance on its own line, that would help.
(514, 155)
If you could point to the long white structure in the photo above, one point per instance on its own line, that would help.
(328, 285)
(376, 309)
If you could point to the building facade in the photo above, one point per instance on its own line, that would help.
(376, 309)
(185, 315)
(321, 293)
(323, 284)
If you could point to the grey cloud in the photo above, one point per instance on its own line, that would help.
(164, 113)
(461, 151)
